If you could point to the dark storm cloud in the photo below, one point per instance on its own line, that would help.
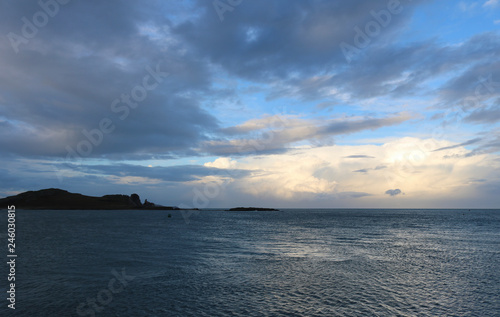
(393, 192)
(295, 46)
(490, 188)
(364, 171)
(402, 70)
(263, 39)
(278, 140)
(344, 195)
(94, 24)
(25, 178)
(358, 156)
(481, 81)
(469, 142)
(473, 95)
(7, 177)
(367, 170)
(486, 115)
(489, 145)
(351, 126)
(65, 79)
(179, 173)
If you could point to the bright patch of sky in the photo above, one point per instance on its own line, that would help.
(259, 100)
(451, 21)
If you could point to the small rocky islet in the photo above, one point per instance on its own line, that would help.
(252, 209)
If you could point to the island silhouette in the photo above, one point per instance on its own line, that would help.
(252, 209)
(59, 199)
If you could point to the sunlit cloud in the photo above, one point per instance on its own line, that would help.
(261, 106)
(408, 163)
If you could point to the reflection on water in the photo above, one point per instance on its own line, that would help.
(294, 263)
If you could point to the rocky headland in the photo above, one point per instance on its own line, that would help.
(58, 199)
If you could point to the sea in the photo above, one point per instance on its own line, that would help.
(294, 262)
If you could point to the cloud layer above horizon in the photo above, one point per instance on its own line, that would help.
(288, 103)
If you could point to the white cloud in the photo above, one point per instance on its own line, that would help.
(490, 3)
(329, 172)
(222, 162)
(132, 180)
(277, 133)
(466, 7)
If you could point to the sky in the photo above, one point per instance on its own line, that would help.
(283, 103)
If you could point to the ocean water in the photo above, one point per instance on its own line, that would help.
(291, 263)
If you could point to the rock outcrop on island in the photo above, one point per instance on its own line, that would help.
(136, 200)
(58, 199)
(252, 209)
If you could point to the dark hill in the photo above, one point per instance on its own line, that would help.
(58, 199)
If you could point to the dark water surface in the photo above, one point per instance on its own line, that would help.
(291, 263)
